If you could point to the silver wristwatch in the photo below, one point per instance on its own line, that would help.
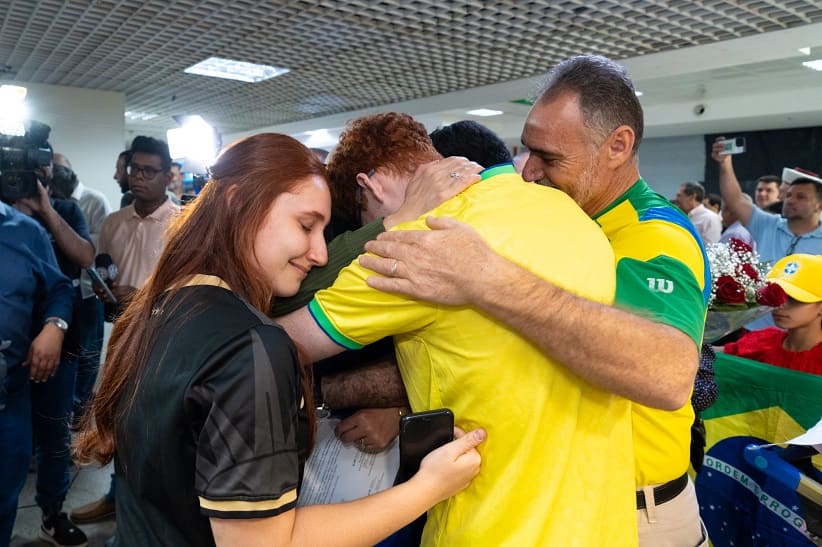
(58, 322)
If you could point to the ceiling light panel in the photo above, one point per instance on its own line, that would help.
(230, 69)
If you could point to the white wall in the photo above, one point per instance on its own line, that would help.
(87, 126)
(667, 162)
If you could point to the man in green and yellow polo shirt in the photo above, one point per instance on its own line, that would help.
(583, 133)
(557, 467)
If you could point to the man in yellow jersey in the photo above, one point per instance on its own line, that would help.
(584, 133)
(558, 463)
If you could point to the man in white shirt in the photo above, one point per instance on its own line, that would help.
(689, 198)
(93, 203)
(95, 207)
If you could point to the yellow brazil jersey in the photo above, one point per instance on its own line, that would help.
(557, 467)
(662, 274)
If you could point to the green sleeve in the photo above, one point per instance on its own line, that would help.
(662, 289)
(341, 251)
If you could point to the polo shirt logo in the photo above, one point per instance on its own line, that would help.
(661, 285)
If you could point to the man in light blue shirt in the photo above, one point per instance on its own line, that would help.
(798, 230)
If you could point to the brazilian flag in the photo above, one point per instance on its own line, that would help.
(756, 403)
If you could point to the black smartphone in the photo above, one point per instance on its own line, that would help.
(100, 285)
(420, 433)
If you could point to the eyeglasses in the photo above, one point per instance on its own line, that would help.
(148, 171)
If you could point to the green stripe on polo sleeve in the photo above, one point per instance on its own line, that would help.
(328, 328)
(662, 289)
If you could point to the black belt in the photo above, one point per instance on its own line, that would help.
(664, 492)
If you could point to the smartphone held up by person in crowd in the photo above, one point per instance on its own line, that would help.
(735, 145)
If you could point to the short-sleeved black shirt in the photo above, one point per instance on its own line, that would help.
(216, 428)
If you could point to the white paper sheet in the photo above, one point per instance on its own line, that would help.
(336, 472)
(812, 437)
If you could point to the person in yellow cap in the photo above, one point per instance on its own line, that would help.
(799, 346)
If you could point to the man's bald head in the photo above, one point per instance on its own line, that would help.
(60, 159)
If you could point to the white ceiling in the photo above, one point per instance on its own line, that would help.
(431, 58)
(744, 84)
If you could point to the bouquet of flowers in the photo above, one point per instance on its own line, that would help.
(739, 291)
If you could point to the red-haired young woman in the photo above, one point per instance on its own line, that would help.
(204, 405)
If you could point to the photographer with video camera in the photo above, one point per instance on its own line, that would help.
(36, 402)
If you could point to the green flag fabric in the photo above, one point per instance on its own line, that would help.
(761, 400)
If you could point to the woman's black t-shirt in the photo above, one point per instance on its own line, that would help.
(217, 427)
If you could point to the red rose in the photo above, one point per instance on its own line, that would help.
(739, 246)
(729, 291)
(750, 271)
(771, 295)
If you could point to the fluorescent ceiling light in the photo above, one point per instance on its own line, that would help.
(13, 93)
(484, 112)
(638, 93)
(196, 141)
(320, 138)
(235, 70)
(805, 50)
(13, 110)
(815, 65)
(139, 115)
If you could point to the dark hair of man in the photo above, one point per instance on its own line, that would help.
(694, 189)
(63, 182)
(606, 94)
(126, 155)
(153, 147)
(769, 179)
(817, 186)
(177, 164)
(392, 141)
(471, 140)
(714, 199)
(321, 153)
(213, 235)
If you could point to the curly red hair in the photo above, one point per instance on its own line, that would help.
(392, 141)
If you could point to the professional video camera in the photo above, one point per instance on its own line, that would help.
(19, 157)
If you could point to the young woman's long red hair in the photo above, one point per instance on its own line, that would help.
(215, 236)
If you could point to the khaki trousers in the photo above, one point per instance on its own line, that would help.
(675, 523)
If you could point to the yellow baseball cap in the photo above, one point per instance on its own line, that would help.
(800, 275)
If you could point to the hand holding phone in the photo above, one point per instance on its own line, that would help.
(420, 433)
(100, 286)
(449, 469)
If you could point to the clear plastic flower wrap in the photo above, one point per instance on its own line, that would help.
(740, 292)
(720, 322)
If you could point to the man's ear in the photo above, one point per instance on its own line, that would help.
(373, 185)
(620, 146)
